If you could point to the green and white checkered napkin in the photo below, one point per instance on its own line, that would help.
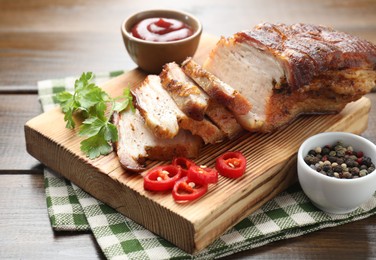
(288, 215)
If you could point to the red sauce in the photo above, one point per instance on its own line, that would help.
(161, 30)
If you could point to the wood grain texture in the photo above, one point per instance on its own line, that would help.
(24, 218)
(43, 39)
(267, 174)
(15, 110)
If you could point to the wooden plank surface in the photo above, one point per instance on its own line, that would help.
(24, 217)
(43, 39)
(268, 173)
(15, 110)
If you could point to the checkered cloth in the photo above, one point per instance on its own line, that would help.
(288, 215)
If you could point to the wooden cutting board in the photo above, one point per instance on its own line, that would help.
(190, 226)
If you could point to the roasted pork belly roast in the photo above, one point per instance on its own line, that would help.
(137, 142)
(256, 80)
(284, 71)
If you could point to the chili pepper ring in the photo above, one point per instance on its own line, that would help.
(231, 164)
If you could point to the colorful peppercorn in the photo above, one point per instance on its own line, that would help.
(339, 161)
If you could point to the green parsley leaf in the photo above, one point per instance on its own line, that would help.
(95, 146)
(96, 108)
(69, 118)
(91, 126)
(110, 133)
(126, 100)
(68, 105)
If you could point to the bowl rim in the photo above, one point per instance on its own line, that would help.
(311, 171)
(195, 34)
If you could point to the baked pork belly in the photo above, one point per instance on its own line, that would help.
(217, 89)
(187, 95)
(137, 143)
(157, 107)
(194, 102)
(288, 70)
(224, 119)
(163, 116)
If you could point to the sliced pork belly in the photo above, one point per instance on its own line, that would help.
(187, 95)
(284, 71)
(157, 108)
(195, 103)
(224, 119)
(137, 143)
(217, 89)
(209, 132)
(164, 117)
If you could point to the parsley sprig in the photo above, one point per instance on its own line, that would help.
(96, 107)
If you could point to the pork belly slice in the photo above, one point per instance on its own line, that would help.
(209, 132)
(137, 143)
(287, 70)
(217, 89)
(157, 107)
(187, 95)
(195, 103)
(224, 119)
(163, 116)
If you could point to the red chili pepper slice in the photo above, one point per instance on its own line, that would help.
(231, 164)
(162, 178)
(184, 163)
(183, 191)
(202, 175)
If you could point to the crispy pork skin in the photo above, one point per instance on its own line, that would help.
(287, 70)
(187, 95)
(137, 143)
(163, 116)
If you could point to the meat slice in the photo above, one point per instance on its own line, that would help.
(137, 143)
(224, 119)
(287, 70)
(217, 89)
(187, 95)
(157, 108)
(209, 132)
(195, 103)
(163, 116)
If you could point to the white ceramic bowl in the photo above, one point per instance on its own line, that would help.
(333, 195)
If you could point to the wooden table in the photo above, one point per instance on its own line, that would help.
(43, 39)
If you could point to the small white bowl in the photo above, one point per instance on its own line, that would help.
(333, 195)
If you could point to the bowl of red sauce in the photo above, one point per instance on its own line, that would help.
(156, 37)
